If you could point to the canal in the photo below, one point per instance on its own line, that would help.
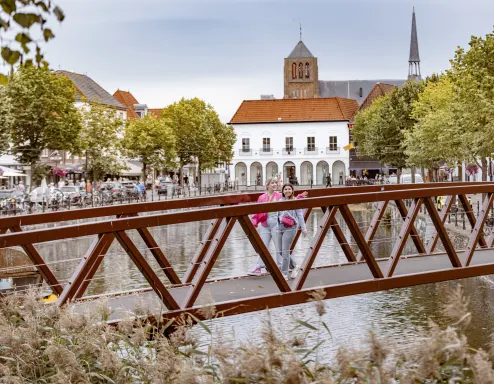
(395, 315)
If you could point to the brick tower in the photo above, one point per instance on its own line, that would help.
(301, 75)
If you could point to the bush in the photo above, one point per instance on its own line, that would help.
(44, 344)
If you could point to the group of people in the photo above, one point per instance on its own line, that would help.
(280, 227)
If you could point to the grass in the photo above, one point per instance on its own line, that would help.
(40, 343)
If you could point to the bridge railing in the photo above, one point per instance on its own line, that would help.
(225, 211)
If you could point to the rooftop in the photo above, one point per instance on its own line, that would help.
(295, 110)
(88, 90)
(300, 51)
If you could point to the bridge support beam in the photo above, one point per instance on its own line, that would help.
(431, 246)
(443, 235)
(477, 234)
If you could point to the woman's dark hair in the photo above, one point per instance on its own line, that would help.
(283, 188)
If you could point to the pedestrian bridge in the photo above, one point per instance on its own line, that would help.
(169, 295)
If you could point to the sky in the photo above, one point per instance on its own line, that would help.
(226, 51)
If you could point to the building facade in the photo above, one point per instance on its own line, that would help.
(298, 140)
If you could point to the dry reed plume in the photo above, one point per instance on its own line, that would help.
(41, 343)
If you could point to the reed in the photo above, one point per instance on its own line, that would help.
(41, 343)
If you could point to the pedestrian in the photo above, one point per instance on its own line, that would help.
(21, 187)
(328, 180)
(82, 184)
(61, 183)
(269, 223)
(288, 222)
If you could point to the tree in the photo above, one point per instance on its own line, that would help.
(380, 129)
(200, 135)
(151, 140)
(435, 136)
(38, 111)
(17, 19)
(472, 72)
(99, 141)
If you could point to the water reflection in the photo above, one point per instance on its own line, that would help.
(394, 314)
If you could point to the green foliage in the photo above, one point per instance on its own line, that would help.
(379, 130)
(40, 172)
(37, 108)
(436, 136)
(19, 17)
(151, 141)
(99, 140)
(200, 135)
(472, 72)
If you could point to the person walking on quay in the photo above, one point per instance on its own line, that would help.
(269, 223)
(328, 180)
(288, 222)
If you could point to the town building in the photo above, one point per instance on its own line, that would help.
(304, 136)
(135, 110)
(87, 91)
(299, 140)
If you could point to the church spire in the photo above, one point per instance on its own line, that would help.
(414, 59)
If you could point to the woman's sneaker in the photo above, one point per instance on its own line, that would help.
(255, 272)
(286, 277)
(295, 272)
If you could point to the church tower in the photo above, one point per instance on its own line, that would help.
(301, 75)
(414, 59)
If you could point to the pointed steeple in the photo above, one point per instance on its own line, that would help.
(300, 51)
(414, 59)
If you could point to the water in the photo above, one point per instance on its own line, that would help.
(394, 314)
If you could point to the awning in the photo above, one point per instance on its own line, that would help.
(133, 169)
(9, 172)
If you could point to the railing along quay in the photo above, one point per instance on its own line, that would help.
(224, 211)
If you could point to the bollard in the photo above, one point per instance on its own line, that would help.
(449, 218)
(464, 222)
(43, 203)
(456, 219)
(478, 208)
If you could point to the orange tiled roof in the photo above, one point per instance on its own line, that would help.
(377, 91)
(127, 99)
(295, 110)
(155, 111)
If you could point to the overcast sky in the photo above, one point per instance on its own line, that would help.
(226, 51)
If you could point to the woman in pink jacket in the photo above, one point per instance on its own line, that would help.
(269, 222)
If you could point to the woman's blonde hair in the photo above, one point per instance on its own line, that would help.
(269, 180)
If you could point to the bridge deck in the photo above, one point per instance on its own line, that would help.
(345, 279)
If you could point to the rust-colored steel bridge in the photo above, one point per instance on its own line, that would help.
(171, 295)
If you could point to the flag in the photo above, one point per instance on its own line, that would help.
(348, 147)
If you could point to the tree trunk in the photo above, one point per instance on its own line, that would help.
(398, 175)
(460, 172)
(413, 174)
(431, 175)
(422, 172)
(199, 173)
(33, 167)
(181, 181)
(144, 167)
(484, 168)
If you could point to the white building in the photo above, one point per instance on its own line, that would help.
(301, 139)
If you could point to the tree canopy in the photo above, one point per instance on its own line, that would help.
(472, 73)
(99, 141)
(150, 140)
(39, 113)
(200, 135)
(18, 19)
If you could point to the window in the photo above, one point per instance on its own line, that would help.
(300, 71)
(333, 143)
(289, 143)
(307, 70)
(294, 70)
(311, 143)
(245, 145)
(266, 144)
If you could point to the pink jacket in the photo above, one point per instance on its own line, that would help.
(262, 218)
